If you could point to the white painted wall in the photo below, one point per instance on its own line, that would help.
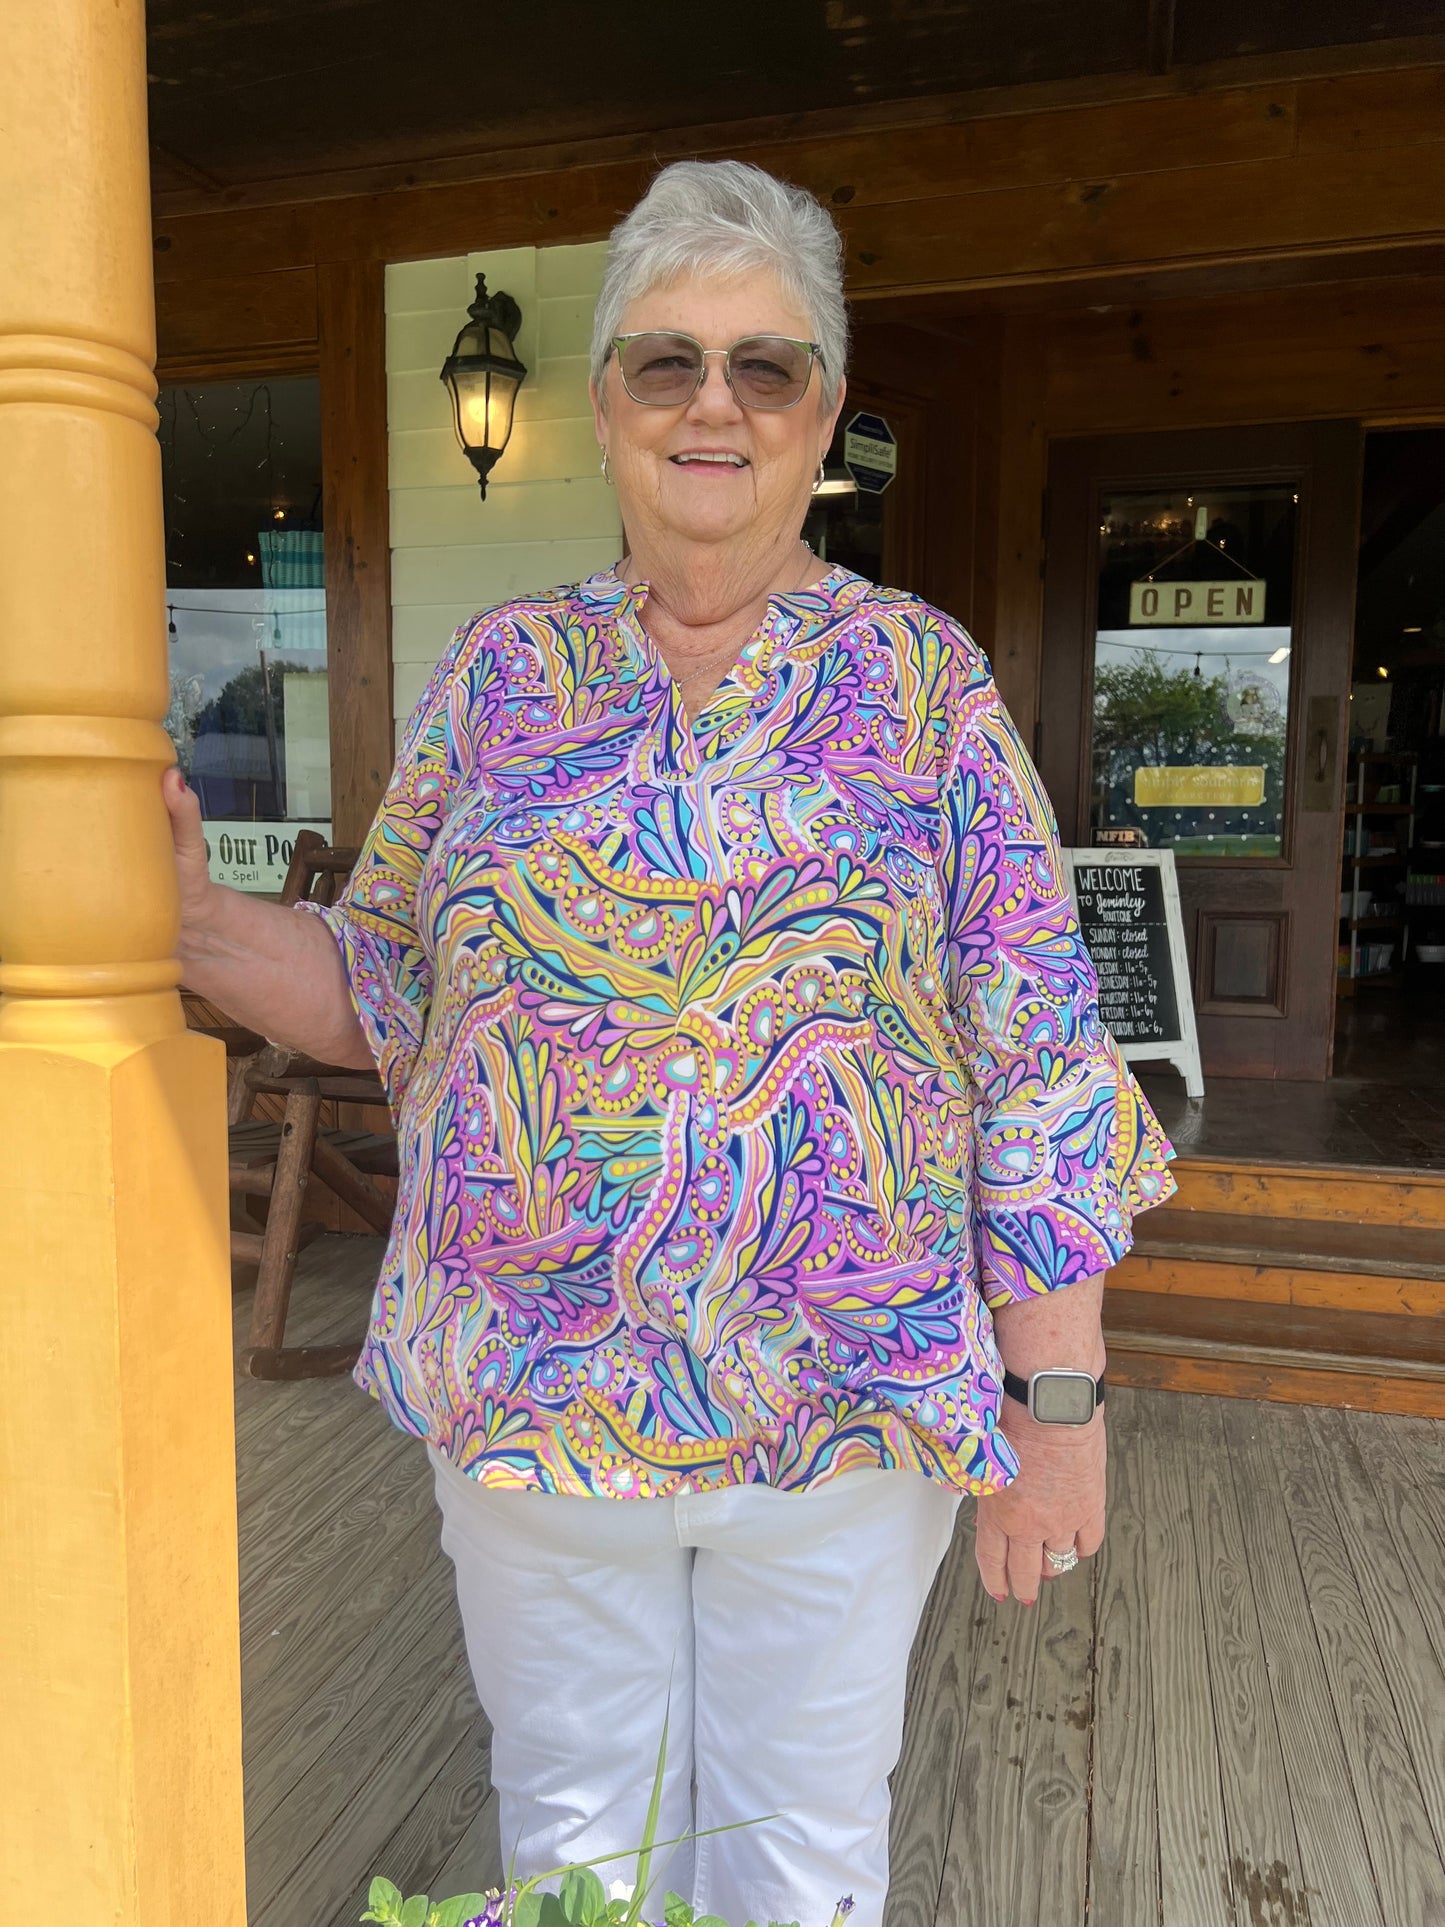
(548, 517)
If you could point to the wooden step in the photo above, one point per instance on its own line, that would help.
(1392, 1270)
(1322, 1193)
(1349, 1381)
(1314, 1285)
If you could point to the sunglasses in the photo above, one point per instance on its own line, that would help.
(763, 371)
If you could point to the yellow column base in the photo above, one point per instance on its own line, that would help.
(118, 1578)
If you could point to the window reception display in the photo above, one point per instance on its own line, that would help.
(1192, 668)
(246, 616)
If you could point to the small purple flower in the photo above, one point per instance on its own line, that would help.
(492, 1915)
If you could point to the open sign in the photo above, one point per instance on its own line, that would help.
(1195, 605)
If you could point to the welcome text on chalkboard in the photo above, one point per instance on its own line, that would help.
(1129, 917)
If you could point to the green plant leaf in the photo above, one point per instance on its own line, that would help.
(414, 1911)
(550, 1913)
(527, 1908)
(583, 1900)
(677, 1912)
(383, 1902)
(710, 1920)
(451, 1913)
(654, 1807)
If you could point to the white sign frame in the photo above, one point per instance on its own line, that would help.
(1182, 1051)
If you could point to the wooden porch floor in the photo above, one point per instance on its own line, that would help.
(1234, 1718)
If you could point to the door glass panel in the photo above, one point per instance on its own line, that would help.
(246, 613)
(1192, 668)
(845, 523)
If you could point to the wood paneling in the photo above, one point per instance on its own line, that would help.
(930, 378)
(1398, 109)
(358, 551)
(1388, 64)
(1240, 962)
(1012, 462)
(1311, 204)
(1008, 197)
(236, 241)
(1018, 150)
(205, 320)
(1368, 348)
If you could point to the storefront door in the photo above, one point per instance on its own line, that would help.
(1198, 610)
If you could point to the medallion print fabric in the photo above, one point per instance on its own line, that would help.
(739, 1066)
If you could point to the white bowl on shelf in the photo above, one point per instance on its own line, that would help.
(1430, 952)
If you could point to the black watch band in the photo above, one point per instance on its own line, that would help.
(1018, 1388)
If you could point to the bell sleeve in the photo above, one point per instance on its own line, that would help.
(1067, 1149)
(375, 920)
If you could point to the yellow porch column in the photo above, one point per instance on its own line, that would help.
(120, 1790)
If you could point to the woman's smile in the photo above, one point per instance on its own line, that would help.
(715, 461)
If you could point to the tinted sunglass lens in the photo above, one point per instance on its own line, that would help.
(660, 369)
(768, 371)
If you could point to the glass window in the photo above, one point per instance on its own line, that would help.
(246, 610)
(1192, 668)
(845, 524)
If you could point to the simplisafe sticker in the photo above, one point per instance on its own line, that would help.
(870, 453)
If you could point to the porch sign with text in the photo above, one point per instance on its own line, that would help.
(1127, 905)
(254, 855)
(1195, 605)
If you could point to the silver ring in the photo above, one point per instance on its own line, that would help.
(1062, 1561)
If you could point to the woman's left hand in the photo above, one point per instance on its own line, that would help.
(1057, 1500)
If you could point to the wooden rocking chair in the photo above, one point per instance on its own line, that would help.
(275, 1160)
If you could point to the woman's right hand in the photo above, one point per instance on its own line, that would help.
(198, 892)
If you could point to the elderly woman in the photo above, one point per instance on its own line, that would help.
(762, 1150)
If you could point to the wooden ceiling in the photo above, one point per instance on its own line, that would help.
(250, 99)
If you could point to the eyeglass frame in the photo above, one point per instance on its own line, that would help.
(814, 348)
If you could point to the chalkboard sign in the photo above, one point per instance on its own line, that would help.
(1127, 903)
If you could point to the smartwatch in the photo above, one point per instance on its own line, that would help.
(1057, 1396)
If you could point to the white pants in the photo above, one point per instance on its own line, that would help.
(780, 1625)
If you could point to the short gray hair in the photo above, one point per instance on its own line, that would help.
(728, 218)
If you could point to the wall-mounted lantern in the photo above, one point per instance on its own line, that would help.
(483, 374)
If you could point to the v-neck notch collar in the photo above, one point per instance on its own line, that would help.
(792, 617)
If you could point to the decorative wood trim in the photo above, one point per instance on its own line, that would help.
(1167, 178)
(1012, 464)
(228, 364)
(1393, 65)
(356, 513)
(1207, 931)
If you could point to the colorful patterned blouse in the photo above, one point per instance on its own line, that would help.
(739, 1066)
